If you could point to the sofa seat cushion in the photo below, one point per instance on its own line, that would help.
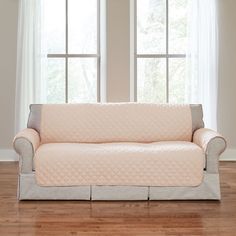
(166, 163)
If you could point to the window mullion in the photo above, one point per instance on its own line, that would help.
(66, 56)
(161, 55)
(98, 54)
(167, 51)
(135, 53)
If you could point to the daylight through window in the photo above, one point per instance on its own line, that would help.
(72, 33)
(160, 45)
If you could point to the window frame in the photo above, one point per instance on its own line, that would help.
(67, 55)
(167, 55)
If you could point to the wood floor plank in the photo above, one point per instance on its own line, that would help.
(144, 218)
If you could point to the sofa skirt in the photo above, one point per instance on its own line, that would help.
(28, 189)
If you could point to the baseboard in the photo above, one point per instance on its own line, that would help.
(228, 155)
(8, 155)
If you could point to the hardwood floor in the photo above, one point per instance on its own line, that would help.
(117, 218)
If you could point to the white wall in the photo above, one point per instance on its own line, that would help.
(8, 39)
(118, 49)
(118, 64)
(227, 71)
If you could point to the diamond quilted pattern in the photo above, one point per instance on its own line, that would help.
(125, 122)
(151, 164)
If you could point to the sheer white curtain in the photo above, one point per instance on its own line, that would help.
(202, 58)
(31, 60)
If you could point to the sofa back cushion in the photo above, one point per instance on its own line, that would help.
(115, 122)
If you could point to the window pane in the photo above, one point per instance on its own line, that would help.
(82, 26)
(151, 26)
(177, 72)
(177, 26)
(55, 23)
(56, 80)
(151, 80)
(82, 81)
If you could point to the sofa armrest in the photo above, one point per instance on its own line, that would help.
(213, 144)
(25, 144)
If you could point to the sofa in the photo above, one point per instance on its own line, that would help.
(118, 151)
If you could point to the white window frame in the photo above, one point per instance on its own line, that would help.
(135, 55)
(66, 55)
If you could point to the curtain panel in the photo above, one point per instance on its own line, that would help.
(31, 60)
(202, 58)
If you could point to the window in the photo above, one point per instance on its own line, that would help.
(160, 46)
(73, 58)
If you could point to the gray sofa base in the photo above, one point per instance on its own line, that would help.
(209, 189)
(29, 190)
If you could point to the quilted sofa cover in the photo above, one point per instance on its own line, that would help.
(117, 144)
(124, 122)
(132, 164)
